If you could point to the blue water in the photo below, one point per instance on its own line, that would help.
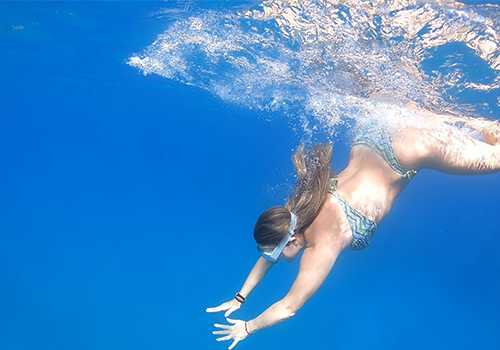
(127, 202)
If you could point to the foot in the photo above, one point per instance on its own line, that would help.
(491, 136)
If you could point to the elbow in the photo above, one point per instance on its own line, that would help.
(291, 311)
(288, 311)
(286, 314)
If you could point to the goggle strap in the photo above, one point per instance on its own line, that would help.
(281, 246)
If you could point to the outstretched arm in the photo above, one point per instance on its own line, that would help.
(259, 271)
(315, 265)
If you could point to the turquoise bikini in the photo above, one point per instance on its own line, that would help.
(382, 145)
(363, 228)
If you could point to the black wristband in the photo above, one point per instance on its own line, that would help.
(240, 298)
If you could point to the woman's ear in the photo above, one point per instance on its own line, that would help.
(295, 241)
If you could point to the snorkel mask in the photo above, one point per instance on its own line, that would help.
(274, 254)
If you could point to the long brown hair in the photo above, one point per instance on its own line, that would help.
(307, 198)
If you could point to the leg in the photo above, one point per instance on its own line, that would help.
(489, 129)
(449, 150)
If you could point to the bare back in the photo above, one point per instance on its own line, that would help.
(370, 186)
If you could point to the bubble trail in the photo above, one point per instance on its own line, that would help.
(333, 63)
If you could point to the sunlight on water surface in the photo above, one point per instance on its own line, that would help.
(332, 63)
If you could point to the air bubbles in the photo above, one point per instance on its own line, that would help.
(314, 62)
(16, 28)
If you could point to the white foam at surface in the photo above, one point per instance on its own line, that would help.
(328, 61)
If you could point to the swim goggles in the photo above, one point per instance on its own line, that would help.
(274, 254)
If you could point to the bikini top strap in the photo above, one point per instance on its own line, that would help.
(410, 174)
(333, 184)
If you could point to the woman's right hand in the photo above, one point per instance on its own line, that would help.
(230, 306)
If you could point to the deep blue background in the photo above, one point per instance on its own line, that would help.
(127, 205)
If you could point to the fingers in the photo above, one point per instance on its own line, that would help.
(217, 308)
(233, 344)
(223, 326)
(212, 309)
(231, 306)
(226, 330)
(230, 311)
(236, 305)
(224, 306)
(227, 337)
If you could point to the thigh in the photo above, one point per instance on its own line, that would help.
(446, 149)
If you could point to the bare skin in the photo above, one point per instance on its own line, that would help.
(370, 186)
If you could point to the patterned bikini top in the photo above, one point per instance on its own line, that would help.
(362, 228)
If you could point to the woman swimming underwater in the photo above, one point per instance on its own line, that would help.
(329, 214)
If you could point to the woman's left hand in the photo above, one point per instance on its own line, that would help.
(236, 331)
